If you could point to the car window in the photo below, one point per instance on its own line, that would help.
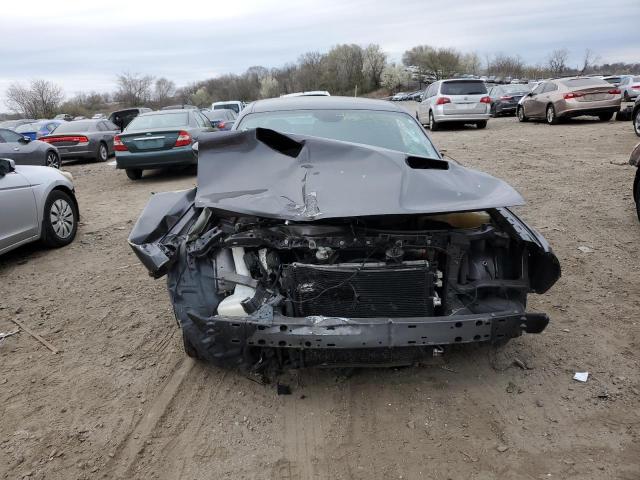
(463, 87)
(584, 82)
(539, 88)
(549, 87)
(9, 136)
(76, 126)
(159, 120)
(27, 127)
(200, 120)
(50, 127)
(111, 125)
(392, 130)
(100, 126)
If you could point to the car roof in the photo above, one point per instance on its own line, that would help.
(322, 102)
(163, 112)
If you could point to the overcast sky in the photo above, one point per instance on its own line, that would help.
(82, 45)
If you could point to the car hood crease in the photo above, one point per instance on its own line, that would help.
(301, 178)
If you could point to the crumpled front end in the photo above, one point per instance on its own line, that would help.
(251, 290)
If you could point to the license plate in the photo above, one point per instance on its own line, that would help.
(596, 96)
(147, 144)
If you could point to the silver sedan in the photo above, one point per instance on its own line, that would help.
(38, 203)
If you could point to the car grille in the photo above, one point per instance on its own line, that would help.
(361, 290)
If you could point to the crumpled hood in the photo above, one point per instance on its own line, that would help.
(293, 177)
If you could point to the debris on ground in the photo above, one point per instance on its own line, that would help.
(581, 376)
(36, 336)
(585, 249)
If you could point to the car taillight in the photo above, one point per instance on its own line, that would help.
(118, 145)
(505, 97)
(70, 138)
(569, 96)
(635, 87)
(443, 100)
(220, 125)
(183, 139)
(485, 100)
(615, 91)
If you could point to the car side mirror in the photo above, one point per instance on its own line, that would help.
(25, 139)
(531, 94)
(6, 166)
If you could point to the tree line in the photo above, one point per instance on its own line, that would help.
(346, 69)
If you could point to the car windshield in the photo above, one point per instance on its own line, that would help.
(227, 106)
(515, 88)
(585, 82)
(463, 87)
(392, 130)
(216, 115)
(28, 127)
(159, 120)
(76, 126)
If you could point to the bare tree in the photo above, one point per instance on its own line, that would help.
(436, 63)
(373, 62)
(471, 63)
(269, 87)
(343, 69)
(164, 90)
(134, 89)
(310, 71)
(506, 65)
(589, 59)
(40, 100)
(558, 61)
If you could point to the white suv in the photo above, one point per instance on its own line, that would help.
(456, 100)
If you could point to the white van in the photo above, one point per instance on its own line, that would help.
(455, 100)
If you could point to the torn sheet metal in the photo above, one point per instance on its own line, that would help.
(293, 177)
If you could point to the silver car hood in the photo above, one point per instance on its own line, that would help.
(300, 178)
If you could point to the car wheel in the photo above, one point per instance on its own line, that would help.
(481, 124)
(520, 114)
(605, 117)
(636, 123)
(103, 153)
(60, 220)
(552, 119)
(492, 111)
(433, 126)
(52, 159)
(134, 173)
(189, 349)
(626, 96)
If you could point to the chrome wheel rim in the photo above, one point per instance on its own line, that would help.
(61, 218)
(103, 152)
(520, 114)
(549, 114)
(431, 121)
(636, 123)
(52, 160)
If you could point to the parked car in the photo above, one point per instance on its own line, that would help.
(397, 96)
(634, 160)
(454, 101)
(38, 129)
(38, 203)
(122, 118)
(635, 116)
(13, 124)
(613, 80)
(63, 116)
(234, 105)
(554, 100)
(630, 87)
(160, 140)
(346, 240)
(25, 151)
(98, 116)
(220, 119)
(84, 139)
(505, 98)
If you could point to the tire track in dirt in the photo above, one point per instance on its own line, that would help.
(126, 455)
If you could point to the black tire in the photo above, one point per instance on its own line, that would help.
(189, 349)
(481, 124)
(551, 117)
(636, 122)
(625, 97)
(52, 159)
(103, 152)
(605, 117)
(492, 111)
(520, 114)
(60, 220)
(433, 125)
(134, 173)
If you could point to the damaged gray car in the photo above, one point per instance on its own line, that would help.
(330, 231)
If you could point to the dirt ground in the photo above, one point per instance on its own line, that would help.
(121, 400)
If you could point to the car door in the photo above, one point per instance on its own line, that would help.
(18, 214)
(532, 106)
(15, 148)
